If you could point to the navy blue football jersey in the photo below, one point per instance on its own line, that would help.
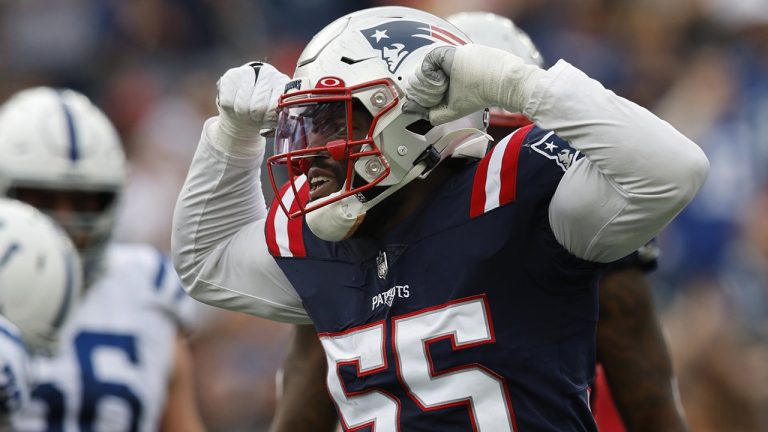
(468, 315)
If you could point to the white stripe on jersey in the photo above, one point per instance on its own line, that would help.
(493, 177)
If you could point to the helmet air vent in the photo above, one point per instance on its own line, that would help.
(419, 127)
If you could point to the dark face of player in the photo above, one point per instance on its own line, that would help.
(327, 175)
(69, 208)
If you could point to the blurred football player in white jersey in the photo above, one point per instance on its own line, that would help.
(40, 282)
(123, 362)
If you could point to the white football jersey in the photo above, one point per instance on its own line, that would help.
(116, 352)
(14, 371)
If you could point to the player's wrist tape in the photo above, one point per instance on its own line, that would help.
(235, 143)
(483, 77)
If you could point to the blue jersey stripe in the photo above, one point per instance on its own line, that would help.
(180, 293)
(68, 291)
(12, 336)
(13, 248)
(160, 277)
(74, 149)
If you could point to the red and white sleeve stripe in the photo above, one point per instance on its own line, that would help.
(495, 181)
(285, 237)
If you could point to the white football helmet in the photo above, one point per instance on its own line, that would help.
(489, 29)
(496, 31)
(55, 144)
(40, 274)
(360, 63)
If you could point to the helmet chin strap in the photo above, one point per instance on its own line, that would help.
(474, 147)
(339, 220)
(336, 221)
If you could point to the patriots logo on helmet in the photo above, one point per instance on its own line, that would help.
(398, 39)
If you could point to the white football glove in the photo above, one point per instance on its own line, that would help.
(246, 99)
(453, 82)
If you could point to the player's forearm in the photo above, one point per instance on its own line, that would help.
(640, 173)
(638, 151)
(649, 171)
(218, 243)
(634, 355)
(642, 153)
(305, 405)
(221, 194)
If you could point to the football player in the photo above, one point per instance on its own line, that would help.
(451, 289)
(40, 282)
(630, 344)
(123, 362)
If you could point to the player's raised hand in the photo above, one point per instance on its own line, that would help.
(429, 83)
(247, 97)
(453, 82)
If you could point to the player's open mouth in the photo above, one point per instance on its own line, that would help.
(321, 184)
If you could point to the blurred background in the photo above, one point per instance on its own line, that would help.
(702, 65)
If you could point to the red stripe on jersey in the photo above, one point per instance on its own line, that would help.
(269, 226)
(603, 406)
(287, 232)
(506, 176)
(477, 204)
(295, 230)
(509, 166)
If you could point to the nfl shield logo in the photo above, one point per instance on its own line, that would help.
(381, 265)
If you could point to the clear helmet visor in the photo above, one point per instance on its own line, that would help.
(306, 129)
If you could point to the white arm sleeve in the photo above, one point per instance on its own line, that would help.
(638, 174)
(218, 243)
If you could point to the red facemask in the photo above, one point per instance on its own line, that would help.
(318, 122)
